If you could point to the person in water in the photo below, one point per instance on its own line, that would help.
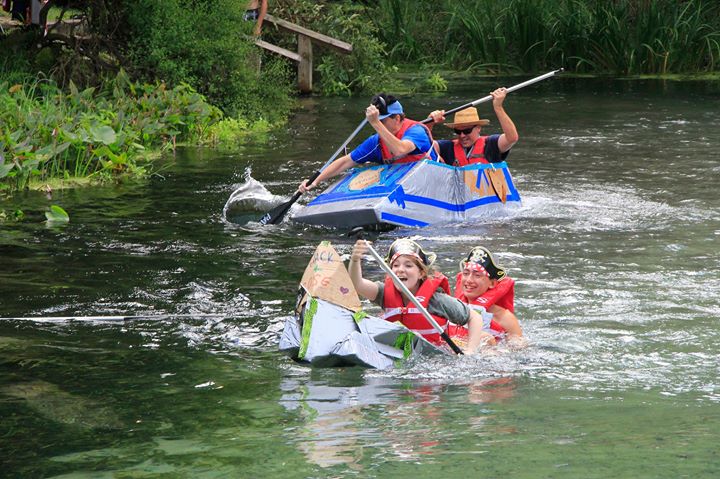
(469, 146)
(485, 285)
(412, 266)
(397, 140)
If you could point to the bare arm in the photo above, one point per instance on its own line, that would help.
(261, 17)
(476, 336)
(396, 146)
(365, 288)
(509, 135)
(507, 320)
(334, 169)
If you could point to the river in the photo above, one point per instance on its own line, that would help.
(615, 254)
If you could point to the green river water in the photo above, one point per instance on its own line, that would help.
(615, 254)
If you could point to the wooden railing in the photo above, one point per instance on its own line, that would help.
(304, 56)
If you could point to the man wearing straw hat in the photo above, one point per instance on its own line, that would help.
(469, 146)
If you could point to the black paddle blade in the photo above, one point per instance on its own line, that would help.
(276, 215)
(380, 103)
(358, 232)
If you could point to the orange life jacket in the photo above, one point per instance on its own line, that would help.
(387, 156)
(477, 154)
(396, 310)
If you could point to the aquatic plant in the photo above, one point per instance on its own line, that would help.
(48, 133)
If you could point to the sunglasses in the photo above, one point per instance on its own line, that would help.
(466, 131)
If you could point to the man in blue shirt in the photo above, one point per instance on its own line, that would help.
(398, 139)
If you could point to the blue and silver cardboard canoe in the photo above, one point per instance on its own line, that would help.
(413, 194)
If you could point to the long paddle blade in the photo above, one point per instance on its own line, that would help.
(276, 215)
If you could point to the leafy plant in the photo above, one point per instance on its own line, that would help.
(57, 215)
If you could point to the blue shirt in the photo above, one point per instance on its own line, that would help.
(369, 150)
(492, 150)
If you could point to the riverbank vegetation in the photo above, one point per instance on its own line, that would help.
(619, 37)
(48, 133)
(139, 76)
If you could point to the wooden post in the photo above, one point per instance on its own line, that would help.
(304, 55)
(305, 67)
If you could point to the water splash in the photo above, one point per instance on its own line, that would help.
(249, 201)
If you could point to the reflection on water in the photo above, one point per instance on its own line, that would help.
(406, 421)
(614, 253)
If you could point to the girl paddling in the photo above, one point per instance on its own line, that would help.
(412, 266)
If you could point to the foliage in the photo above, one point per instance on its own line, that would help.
(56, 215)
(193, 42)
(436, 82)
(48, 133)
(204, 44)
(591, 36)
(364, 70)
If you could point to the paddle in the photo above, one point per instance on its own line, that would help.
(275, 215)
(490, 97)
(359, 233)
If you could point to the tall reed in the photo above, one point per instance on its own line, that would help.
(593, 36)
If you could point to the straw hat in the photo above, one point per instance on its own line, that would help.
(467, 118)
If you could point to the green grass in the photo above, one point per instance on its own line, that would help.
(621, 37)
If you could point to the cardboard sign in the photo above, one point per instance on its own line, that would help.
(497, 180)
(326, 278)
(365, 179)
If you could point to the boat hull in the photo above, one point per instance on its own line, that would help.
(413, 194)
(326, 335)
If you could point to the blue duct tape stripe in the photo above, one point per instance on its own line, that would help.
(421, 200)
(337, 195)
(401, 220)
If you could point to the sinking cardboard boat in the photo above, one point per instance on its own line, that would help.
(329, 327)
(413, 194)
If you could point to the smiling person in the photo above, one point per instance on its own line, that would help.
(469, 146)
(397, 140)
(412, 266)
(485, 286)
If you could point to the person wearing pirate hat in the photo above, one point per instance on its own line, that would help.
(397, 140)
(484, 285)
(413, 266)
(469, 146)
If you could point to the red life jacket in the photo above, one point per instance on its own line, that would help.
(396, 310)
(503, 295)
(477, 155)
(388, 158)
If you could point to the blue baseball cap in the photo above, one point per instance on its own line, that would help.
(393, 109)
